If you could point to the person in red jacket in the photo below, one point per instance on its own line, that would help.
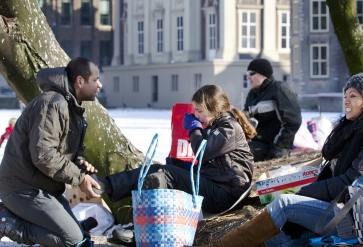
(8, 130)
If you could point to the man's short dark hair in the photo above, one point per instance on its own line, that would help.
(78, 66)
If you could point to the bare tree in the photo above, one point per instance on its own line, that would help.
(27, 44)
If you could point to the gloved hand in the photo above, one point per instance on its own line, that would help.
(277, 152)
(293, 230)
(190, 123)
(253, 122)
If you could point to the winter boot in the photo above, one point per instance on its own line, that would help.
(155, 180)
(252, 234)
(10, 224)
(123, 236)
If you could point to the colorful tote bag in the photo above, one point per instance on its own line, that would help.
(166, 217)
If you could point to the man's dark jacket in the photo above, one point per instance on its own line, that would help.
(277, 110)
(46, 140)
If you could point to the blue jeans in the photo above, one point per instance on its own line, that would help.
(302, 210)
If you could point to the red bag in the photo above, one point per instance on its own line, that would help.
(180, 146)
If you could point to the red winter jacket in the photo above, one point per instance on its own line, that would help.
(6, 134)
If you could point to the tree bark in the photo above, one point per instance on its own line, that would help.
(27, 44)
(344, 16)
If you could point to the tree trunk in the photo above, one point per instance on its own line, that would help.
(27, 44)
(344, 16)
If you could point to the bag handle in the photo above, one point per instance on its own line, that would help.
(339, 216)
(200, 150)
(143, 173)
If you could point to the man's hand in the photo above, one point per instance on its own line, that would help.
(86, 186)
(87, 166)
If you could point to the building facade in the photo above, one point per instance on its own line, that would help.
(82, 27)
(318, 68)
(164, 50)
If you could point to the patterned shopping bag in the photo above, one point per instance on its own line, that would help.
(166, 217)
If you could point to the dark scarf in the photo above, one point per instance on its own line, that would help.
(263, 86)
(344, 143)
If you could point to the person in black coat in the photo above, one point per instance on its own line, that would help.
(275, 107)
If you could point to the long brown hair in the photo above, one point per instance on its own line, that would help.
(214, 99)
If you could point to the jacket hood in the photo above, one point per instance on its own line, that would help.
(54, 79)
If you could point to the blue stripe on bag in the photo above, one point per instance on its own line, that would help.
(166, 217)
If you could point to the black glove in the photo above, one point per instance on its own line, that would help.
(88, 224)
(277, 152)
(293, 230)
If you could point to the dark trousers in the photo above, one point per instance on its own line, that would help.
(259, 150)
(45, 219)
(215, 199)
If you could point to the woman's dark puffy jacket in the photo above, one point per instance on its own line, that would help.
(227, 159)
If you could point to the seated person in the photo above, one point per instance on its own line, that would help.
(275, 110)
(227, 165)
(290, 219)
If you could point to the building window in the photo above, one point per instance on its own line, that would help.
(319, 60)
(198, 81)
(66, 15)
(245, 82)
(285, 78)
(42, 5)
(179, 27)
(140, 36)
(360, 11)
(296, 61)
(86, 49)
(105, 12)
(159, 31)
(212, 31)
(105, 52)
(295, 16)
(67, 46)
(319, 16)
(135, 83)
(284, 30)
(86, 12)
(174, 82)
(116, 84)
(248, 29)
(155, 88)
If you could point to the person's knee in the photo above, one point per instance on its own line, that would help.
(281, 201)
(73, 238)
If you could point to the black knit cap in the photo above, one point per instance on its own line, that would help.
(261, 66)
(356, 81)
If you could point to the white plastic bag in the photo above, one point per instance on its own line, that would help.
(104, 218)
(303, 140)
(320, 128)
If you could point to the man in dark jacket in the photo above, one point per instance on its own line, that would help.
(45, 152)
(275, 107)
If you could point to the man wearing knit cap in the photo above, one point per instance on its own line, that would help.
(275, 107)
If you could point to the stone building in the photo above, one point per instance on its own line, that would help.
(318, 68)
(166, 49)
(82, 27)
